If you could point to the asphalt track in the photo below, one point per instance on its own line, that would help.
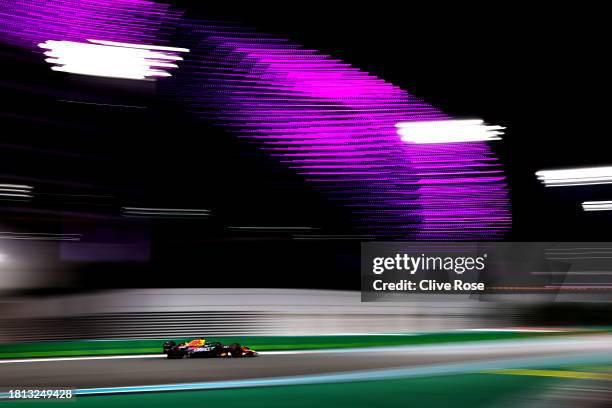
(151, 370)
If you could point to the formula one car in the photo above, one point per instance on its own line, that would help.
(199, 348)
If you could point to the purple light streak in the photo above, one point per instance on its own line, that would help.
(335, 126)
(27, 23)
(331, 123)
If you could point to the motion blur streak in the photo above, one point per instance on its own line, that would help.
(110, 59)
(27, 23)
(330, 122)
(164, 212)
(39, 236)
(15, 191)
(335, 126)
(448, 131)
(256, 228)
(576, 177)
(597, 205)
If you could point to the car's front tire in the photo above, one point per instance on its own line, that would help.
(235, 350)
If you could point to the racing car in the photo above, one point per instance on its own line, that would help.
(199, 348)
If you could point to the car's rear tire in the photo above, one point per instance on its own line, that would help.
(169, 345)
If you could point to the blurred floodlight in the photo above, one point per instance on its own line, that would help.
(597, 206)
(448, 131)
(576, 177)
(112, 59)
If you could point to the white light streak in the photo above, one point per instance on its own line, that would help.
(15, 191)
(111, 59)
(39, 236)
(597, 206)
(576, 177)
(164, 212)
(448, 131)
(17, 186)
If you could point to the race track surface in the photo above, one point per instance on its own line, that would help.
(118, 372)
